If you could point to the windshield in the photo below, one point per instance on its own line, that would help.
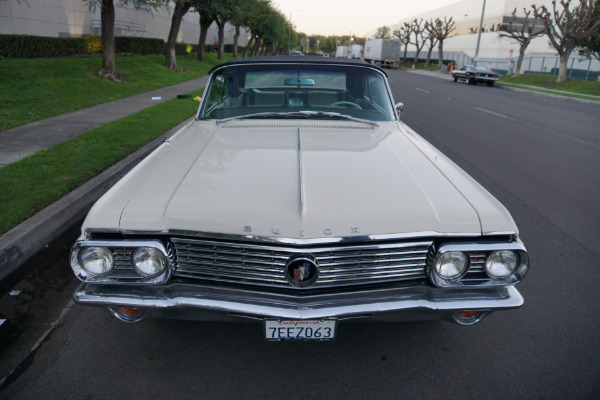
(286, 89)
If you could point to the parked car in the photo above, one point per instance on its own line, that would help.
(472, 75)
(299, 199)
(295, 53)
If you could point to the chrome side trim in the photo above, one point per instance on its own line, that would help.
(181, 297)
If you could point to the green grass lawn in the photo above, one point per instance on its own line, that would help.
(576, 86)
(34, 89)
(37, 181)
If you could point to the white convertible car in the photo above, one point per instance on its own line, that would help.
(297, 198)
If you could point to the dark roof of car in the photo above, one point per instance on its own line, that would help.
(296, 60)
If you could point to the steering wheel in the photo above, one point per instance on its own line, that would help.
(346, 103)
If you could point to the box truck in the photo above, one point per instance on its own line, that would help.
(382, 52)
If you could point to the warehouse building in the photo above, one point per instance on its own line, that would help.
(74, 18)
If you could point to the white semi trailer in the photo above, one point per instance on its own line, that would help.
(382, 52)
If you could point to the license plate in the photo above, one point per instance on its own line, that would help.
(300, 330)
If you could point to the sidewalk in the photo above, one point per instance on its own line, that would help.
(20, 142)
(22, 242)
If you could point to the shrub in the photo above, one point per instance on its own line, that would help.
(181, 49)
(93, 44)
(27, 46)
(139, 45)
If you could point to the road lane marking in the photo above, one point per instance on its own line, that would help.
(493, 113)
(422, 90)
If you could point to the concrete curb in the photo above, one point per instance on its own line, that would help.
(21, 243)
(547, 94)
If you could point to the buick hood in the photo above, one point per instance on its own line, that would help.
(299, 180)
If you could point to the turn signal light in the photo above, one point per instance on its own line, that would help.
(129, 310)
(468, 313)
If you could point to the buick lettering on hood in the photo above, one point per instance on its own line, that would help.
(297, 198)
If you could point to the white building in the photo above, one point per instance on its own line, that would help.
(74, 18)
(467, 16)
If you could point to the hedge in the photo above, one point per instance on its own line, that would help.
(27, 46)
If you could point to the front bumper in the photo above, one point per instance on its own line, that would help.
(182, 300)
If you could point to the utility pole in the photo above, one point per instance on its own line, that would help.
(479, 34)
(290, 33)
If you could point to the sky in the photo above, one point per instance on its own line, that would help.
(336, 17)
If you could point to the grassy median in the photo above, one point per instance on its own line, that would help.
(34, 89)
(37, 181)
(576, 87)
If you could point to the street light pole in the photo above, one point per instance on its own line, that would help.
(479, 34)
(290, 33)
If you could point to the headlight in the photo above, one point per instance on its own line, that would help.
(149, 261)
(96, 260)
(451, 265)
(501, 264)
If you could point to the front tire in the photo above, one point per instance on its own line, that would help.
(468, 80)
(490, 83)
(454, 79)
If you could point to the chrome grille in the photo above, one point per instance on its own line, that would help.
(264, 265)
(123, 270)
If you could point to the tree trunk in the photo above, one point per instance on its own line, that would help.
(205, 23)
(221, 39)
(178, 13)
(248, 46)
(108, 39)
(416, 60)
(562, 66)
(441, 53)
(428, 56)
(236, 36)
(255, 48)
(517, 72)
(405, 52)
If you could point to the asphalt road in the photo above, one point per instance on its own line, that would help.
(538, 155)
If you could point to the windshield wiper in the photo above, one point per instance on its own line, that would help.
(338, 115)
(302, 114)
(263, 115)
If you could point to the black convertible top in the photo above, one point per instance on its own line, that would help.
(296, 60)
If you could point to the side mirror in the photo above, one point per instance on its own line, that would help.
(399, 108)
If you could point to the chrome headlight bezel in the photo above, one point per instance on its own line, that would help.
(451, 265)
(479, 277)
(123, 271)
(99, 255)
(142, 262)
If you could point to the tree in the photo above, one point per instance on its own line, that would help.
(238, 19)
(419, 42)
(403, 35)
(181, 8)
(567, 27)
(430, 28)
(443, 29)
(522, 30)
(590, 46)
(383, 32)
(206, 9)
(107, 16)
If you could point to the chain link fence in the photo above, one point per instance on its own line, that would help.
(579, 67)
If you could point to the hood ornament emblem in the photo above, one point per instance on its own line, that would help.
(301, 270)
